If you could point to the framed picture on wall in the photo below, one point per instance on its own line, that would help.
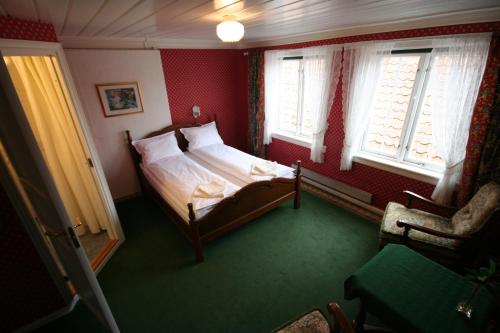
(120, 98)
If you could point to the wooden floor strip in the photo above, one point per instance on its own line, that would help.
(98, 259)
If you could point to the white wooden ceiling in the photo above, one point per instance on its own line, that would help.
(192, 22)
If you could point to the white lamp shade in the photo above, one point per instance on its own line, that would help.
(230, 31)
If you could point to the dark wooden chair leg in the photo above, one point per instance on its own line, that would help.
(296, 200)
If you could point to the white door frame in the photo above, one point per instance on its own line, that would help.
(10, 47)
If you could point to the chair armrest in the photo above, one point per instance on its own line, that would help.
(410, 196)
(410, 225)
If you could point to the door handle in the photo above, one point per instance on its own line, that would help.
(53, 233)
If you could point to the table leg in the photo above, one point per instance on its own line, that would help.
(359, 323)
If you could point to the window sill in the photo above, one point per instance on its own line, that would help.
(292, 139)
(427, 176)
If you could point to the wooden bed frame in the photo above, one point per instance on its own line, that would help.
(248, 203)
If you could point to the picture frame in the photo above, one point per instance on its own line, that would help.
(120, 98)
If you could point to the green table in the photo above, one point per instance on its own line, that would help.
(411, 293)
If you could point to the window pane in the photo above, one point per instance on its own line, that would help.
(306, 128)
(287, 117)
(391, 101)
(310, 105)
(421, 148)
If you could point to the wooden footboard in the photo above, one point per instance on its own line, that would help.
(244, 206)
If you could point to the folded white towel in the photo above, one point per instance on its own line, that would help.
(266, 168)
(213, 189)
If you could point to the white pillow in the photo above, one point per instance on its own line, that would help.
(202, 136)
(158, 147)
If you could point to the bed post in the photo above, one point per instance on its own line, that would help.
(296, 200)
(195, 234)
(135, 159)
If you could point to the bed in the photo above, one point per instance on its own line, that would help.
(244, 201)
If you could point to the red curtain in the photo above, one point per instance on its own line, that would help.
(256, 102)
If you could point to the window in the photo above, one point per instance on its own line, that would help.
(299, 87)
(294, 118)
(400, 123)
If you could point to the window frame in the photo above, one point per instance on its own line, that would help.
(410, 123)
(297, 137)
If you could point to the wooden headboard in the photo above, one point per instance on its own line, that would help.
(181, 140)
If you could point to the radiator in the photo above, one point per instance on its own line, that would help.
(334, 187)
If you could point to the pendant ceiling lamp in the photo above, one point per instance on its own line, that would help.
(230, 30)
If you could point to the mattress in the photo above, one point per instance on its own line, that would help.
(229, 160)
(176, 178)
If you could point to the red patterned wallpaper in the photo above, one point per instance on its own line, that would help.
(212, 80)
(384, 186)
(14, 28)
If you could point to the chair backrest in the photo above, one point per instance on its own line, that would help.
(342, 323)
(478, 210)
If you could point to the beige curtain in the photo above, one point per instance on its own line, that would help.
(48, 109)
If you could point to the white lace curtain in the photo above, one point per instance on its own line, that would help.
(361, 71)
(457, 69)
(321, 76)
(272, 91)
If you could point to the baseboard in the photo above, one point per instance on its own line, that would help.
(106, 253)
(358, 207)
(49, 318)
(315, 178)
(127, 197)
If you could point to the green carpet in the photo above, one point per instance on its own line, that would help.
(253, 279)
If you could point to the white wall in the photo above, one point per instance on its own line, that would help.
(90, 67)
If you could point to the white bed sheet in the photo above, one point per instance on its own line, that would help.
(176, 178)
(214, 169)
(236, 163)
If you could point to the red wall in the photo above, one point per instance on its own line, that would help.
(210, 79)
(13, 28)
(384, 186)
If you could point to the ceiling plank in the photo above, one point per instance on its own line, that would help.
(79, 14)
(24, 9)
(112, 11)
(3, 12)
(278, 14)
(189, 17)
(295, 27)
(135, 14)
(178, 13)
(53, 11)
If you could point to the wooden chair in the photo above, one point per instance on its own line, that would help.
(460, 240)
(342, 323)
(314, 321)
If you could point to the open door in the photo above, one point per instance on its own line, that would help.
(33, 192)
